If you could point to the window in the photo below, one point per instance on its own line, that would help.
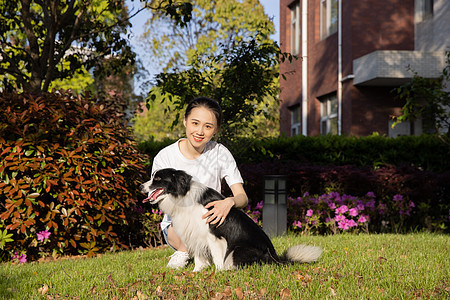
(328, 115)
(296, 118)
(424, 9)
(295, 28)
(328, 17)
(405, 128)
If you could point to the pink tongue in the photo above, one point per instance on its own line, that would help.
(153, 195)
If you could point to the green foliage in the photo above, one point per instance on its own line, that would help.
(38, 39)
(429, 100)
(5, 237)
(225, 53)
(154, 122)
(214, 25)
(243, 84)
(426, 152)
(69, 167)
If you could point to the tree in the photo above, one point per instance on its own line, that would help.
(225, 52)
(46, 40)
(429, 100)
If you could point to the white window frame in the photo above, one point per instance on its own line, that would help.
(328, 17)
(328, 114)
(295, 28)
(424, 10)
(296, 117)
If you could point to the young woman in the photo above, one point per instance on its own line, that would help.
(207, 162)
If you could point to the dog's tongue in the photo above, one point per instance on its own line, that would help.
(153, 195)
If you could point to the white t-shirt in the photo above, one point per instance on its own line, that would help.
(215, 163)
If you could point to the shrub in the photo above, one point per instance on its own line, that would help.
(69, 168)
(427, 190)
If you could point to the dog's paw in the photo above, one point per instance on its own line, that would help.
(200, 264)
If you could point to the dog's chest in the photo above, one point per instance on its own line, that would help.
(190, 225)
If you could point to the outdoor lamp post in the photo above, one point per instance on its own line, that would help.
(274, 208)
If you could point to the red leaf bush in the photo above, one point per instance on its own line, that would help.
(69, 167)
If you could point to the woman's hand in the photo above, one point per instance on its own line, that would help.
(219, 211)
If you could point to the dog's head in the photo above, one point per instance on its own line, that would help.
(166, 182)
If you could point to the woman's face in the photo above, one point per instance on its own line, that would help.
(201, 125)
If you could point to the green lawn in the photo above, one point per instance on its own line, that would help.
(412, 266)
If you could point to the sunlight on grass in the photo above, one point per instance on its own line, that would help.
(352, 267)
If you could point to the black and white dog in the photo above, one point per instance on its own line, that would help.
(237, 242)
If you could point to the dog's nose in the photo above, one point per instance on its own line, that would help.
(141, 187)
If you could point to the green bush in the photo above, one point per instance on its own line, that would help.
(426, 152)
(69, 168)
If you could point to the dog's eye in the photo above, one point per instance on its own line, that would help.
(156, 179)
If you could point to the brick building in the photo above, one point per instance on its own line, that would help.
(352, 54)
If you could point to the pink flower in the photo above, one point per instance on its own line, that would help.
(343, 225)
(297, 224)
(341, 210)
(332, 205)
(362, 219)
(22, 259)
(43, 235)
(156, 212)
(353, 212)
(309, 213)
(352, 223)
(339, 218)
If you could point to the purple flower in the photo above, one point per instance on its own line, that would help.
(371, 204)
(332, 205)
(362, 219)
(398, 198)
(309, 213)
(411, 204)
(371, 195)
(259, 205)
(360, 206)
(382, 208)
(43, 235)
(297, 224)
(353, 212)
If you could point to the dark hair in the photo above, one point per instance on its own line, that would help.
(208, 103)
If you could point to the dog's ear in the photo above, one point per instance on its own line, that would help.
(182, 182)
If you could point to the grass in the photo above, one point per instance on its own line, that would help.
(387, 266)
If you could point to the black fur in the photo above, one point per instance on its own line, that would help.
(246, 241)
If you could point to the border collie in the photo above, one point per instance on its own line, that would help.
(237, 242)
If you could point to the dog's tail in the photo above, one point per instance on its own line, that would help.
(302, 254)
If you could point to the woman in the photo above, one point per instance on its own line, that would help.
(207, 162)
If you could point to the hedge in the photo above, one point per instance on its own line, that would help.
(416, 167)
(69, 176)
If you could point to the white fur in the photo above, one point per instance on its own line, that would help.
(304, 253)
(188, 224)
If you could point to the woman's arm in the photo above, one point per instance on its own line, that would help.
(221, 208)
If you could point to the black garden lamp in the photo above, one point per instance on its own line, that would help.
(274, 208)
